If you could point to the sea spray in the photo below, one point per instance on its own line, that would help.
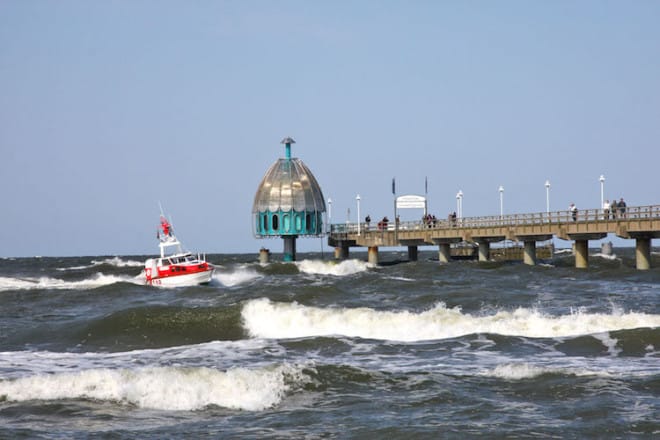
(234, 277)
(114, 261)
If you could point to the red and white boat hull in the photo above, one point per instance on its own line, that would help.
(187, 279)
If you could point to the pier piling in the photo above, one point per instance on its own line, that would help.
(581, 254)
(372, 256)
(529, 256)
(484, 250)
(643, 253)
(444, 252)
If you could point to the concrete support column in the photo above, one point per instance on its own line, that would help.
(484, 251)
(643, 253)
(264, 256)
(372, 256)
(530, 253)
(341, 252)
(581, 254)
(289, 248)
(412, 253)
(444, 253)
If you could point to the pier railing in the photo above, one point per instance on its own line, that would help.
(539, 218)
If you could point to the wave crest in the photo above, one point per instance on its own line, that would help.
(343, 268)
(98, 280)
(163, 388)
(266, 319)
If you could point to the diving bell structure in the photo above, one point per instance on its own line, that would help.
(288, 203)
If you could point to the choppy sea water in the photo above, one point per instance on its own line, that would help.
(324, 349)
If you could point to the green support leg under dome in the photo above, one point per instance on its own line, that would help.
(289, 248)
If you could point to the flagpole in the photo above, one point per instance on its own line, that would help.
(426, 195)
(396, 226)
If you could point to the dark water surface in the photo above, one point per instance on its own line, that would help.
(319, 349)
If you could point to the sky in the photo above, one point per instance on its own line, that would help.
(108, 108)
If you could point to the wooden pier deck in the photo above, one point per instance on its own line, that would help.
(641, 223)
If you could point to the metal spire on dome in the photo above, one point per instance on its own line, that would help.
(288, 141)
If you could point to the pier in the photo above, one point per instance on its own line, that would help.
(641, 223)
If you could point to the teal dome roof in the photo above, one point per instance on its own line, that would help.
(289, 184)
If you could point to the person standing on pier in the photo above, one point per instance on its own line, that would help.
(367, 220)
(606, 209)
(573, 210)
(622, 208)
(613, 208)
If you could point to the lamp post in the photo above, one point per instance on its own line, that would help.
(461, 194)
(357, 199)
(602, 189)
(501, 189)
(547, 197)
(459, 203)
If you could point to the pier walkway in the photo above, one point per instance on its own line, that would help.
(641, 223)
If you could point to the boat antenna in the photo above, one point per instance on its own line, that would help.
(161, 209)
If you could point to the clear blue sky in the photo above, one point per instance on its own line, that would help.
(108, 107)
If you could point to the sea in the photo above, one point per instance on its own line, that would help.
(324, 349)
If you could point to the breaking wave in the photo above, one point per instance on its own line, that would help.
(163, 388)
(265, 319)
(241, 275)
(344, 268)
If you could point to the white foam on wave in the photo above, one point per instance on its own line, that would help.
(98, 280)
(216, 354)
(266, 319)
(343, 268)
(118, 262)
(162, 388)
(399, 279)
(235, 277)
(525, 370)
(610, 257)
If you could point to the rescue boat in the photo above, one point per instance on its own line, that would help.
(175, 267)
